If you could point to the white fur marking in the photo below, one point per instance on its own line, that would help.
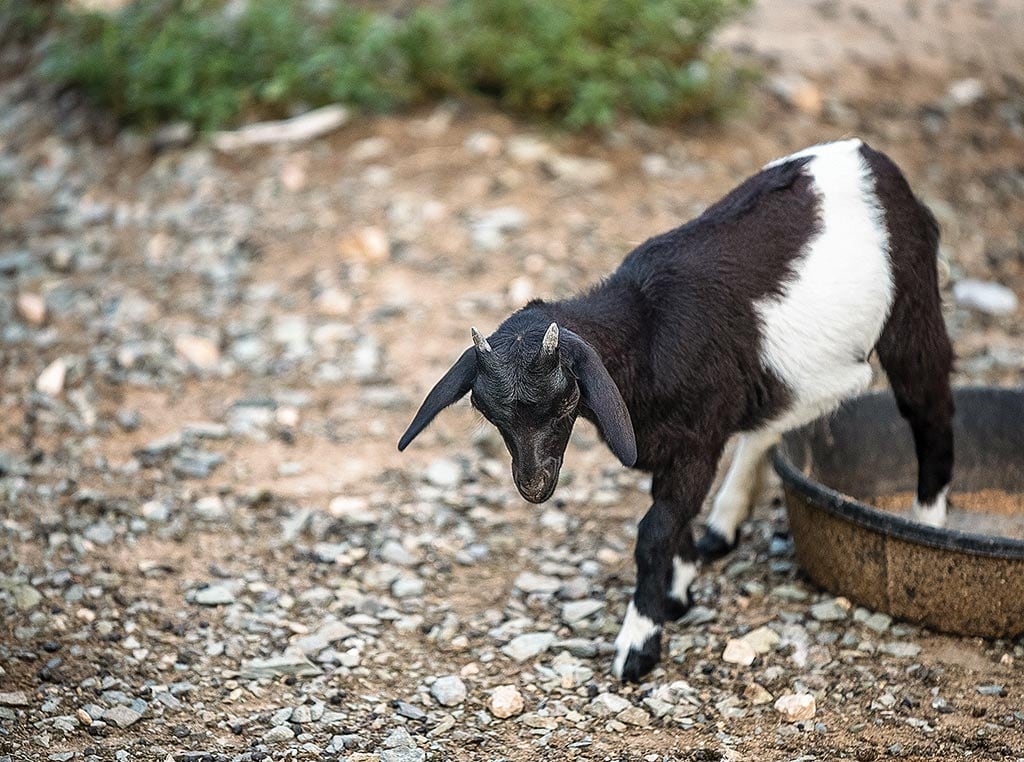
(934, 515)
(739, 489)
(683, 575)
(636, 630)
(840, 146)
(818, 334)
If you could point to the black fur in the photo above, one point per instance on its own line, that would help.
(713, 545)
(664, 357)
(918, 368)
(451, 388)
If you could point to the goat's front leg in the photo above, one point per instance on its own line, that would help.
(666, 565)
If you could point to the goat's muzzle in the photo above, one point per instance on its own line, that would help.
(538, 485)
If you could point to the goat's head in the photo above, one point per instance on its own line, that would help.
(532, 389)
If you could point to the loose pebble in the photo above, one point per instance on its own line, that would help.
(987, 297)
(795, 707)
(448, 690)
(506, 701)
(740, 652)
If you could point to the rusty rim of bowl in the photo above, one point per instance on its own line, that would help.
(891, 525)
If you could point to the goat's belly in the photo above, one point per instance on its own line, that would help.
(817, 335)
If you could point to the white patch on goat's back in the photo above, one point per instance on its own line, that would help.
(818, 334)
(934, 514)
(822, 149)
(636, 630)
(683, 575)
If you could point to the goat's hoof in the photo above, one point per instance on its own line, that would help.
(713, 545)
(640, 660)
(676, 609)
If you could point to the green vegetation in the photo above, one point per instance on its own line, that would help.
(580, 62)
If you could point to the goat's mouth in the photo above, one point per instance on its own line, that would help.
(538, 497)
(539, 489)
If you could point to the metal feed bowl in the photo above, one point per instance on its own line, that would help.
(949, 580)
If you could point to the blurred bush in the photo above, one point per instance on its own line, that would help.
(580, 62)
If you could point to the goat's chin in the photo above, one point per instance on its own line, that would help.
(539, 497)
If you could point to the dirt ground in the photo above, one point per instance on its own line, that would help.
(309, 343)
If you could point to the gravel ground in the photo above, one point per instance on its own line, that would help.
(211, 551)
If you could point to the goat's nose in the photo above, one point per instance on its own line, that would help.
(535, 484)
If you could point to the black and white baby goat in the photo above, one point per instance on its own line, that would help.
(755, 318)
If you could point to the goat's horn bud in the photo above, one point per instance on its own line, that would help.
(550, 343)
(480, 342)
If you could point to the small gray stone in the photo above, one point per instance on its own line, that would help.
(790, 593)
(762, 640)
(395, 553)
(100, 533)
(26, 597)
(991, 690)
(214, 595)
(607, 705)
(302, 714)
(577, 611)
(635, 716)
(191, 463)
(210, 508)
(964, 92)
(444, 472)
(122, 716)
(580, 647)
(407, 587)
(409, 711)
(448, 690)
(878, 622)
(155, 510)
(14, 698)
(353, 511)
(828, 611)
(326, 635)
(699, 615)
(900, 649)
(402, 755)
(529, 582)
(984, 296)
(399, 738)
(885, 701)
(286, 664)
(574, 589)
(528, 645)
(281, 717)
(279, 734)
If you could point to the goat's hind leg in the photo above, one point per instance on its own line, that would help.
(737, 494)
(919, 373)
(918, 362)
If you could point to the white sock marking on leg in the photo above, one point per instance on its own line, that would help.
(739, 489)
(636, 630)
(934, 515)
(683, 574)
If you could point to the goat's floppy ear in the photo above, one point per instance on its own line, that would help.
(451, 388)
(602, 396)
